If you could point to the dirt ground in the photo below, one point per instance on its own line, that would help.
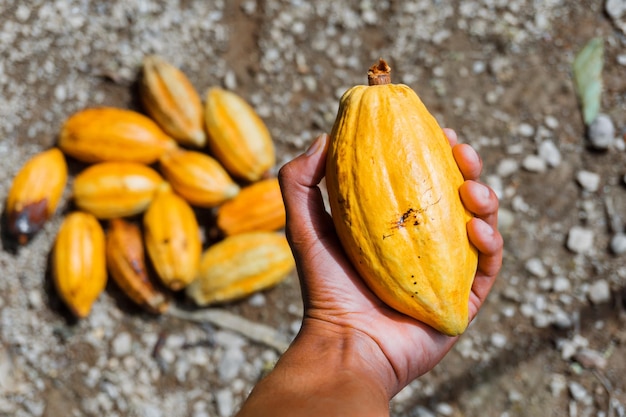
(550, 341)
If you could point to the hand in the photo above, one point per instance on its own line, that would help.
(337, 302)
(353, 353)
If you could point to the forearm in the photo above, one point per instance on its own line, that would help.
(322, 375)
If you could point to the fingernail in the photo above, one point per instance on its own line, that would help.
(482, 191)
(316, 145)
(483, 227)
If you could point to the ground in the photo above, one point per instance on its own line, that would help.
(550, 340)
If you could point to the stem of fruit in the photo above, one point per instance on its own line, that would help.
(379, 74)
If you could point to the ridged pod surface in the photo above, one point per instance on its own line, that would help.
(35, 193)
(172, 101)
(78, 262)
(257, 207)
(113, 134)
(172, 238)
(115, 189)
(126, 264)
(239, 266)
(238, 137)
(198, 178)
(393, 187)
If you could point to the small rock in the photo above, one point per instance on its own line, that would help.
(551, 122)
(507, 167)
(549, 152)
(526, 130)
(561, 284)
(444, 409)
(615, 8)
(599, 292)
(579, 393)
(618, 244)
(580, 239)
(590, 181)
(122, 344)
(535, 267)
(498, 340)
(534, 163)
(230, 364)
(225, 402)
(601, 132)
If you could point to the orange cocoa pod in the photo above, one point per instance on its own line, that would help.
(115, 189)
(172, 238)
(238, 137)
(35, 193)
(197, 177)
(78, 262)
(125, 260)
(239, 266)
(171, 100)
(257, 207)
(112, 134)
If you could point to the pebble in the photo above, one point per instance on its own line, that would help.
(550, 153)
(122, 344)
(601, 132)
(536, 267)
(590, 359)
(590, 181)
(558, 383)
(230, 364)
(579, 393)
(498, 340)
(580, 239)
(225, 402)
(507, 167)
(534, 163)
(618, 244)
(599, 292)
(561, 284)
(526, 130)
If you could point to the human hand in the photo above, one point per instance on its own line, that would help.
(393, 348)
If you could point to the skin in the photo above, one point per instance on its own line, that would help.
(353, 353)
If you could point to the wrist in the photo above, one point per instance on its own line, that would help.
(328, 370)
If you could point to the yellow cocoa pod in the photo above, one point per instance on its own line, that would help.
(126, 264)
(35, 193)
(393, 187)
(172, 238)
(78, 262)
(171, 100)
(112, 134)
(198, 178)
(258, 207)
(238, 138)
(115, 189)
(239, 266)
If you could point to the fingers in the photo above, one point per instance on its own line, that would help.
(451, 135)
(306, 215)
(468, 161)
(481, 201)
(489, 243)
(466, 157)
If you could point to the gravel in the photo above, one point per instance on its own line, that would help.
(497, 71)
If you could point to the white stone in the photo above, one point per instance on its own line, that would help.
(534, 163)
(618, 244)
(225, 402)
(549, 152)
(122, 344)
(561, 284)
(526, 130)
(580, 239)
(599, 292)
(536, 267)
(507, 167)
(590, 181)
(602, 132)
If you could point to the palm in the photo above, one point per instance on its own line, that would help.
(334, 293)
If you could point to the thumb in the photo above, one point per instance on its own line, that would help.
(307, 220)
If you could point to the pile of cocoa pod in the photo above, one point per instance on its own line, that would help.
(133, 205)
